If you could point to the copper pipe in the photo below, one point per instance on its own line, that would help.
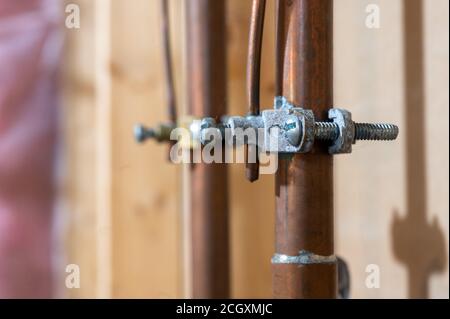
(304, 182)
(280, 41)
(168, 69)
(206, 84)
(253, 78)
(254, 55)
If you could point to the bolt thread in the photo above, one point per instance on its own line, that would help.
(327, 131)
(375, 132)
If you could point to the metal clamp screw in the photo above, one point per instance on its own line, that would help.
(161, 133)
(344, 132)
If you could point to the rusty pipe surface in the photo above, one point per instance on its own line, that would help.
(207, 95)
(304, 182)
(254, 78)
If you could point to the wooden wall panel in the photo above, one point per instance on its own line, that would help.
(78, 126)
(392, 198)
(144, 184)
(436, 80)
(129, 200)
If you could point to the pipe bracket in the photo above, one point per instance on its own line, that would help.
(303, 258)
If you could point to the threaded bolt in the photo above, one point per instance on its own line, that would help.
(141, 133)
(375, 132)
(329, 131)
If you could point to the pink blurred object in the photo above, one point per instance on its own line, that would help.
(30, 43)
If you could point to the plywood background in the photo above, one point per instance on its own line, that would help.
(123, 201)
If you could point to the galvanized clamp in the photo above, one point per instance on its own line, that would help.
(291, 129)
(284, 129)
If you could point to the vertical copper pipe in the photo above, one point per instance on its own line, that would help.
(253, 78)
(254, 55)
(304, 183)
(206, 82)
(168, 70)
(280, 42)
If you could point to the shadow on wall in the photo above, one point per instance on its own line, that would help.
(417, 244)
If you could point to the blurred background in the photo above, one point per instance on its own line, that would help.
(76, 191)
